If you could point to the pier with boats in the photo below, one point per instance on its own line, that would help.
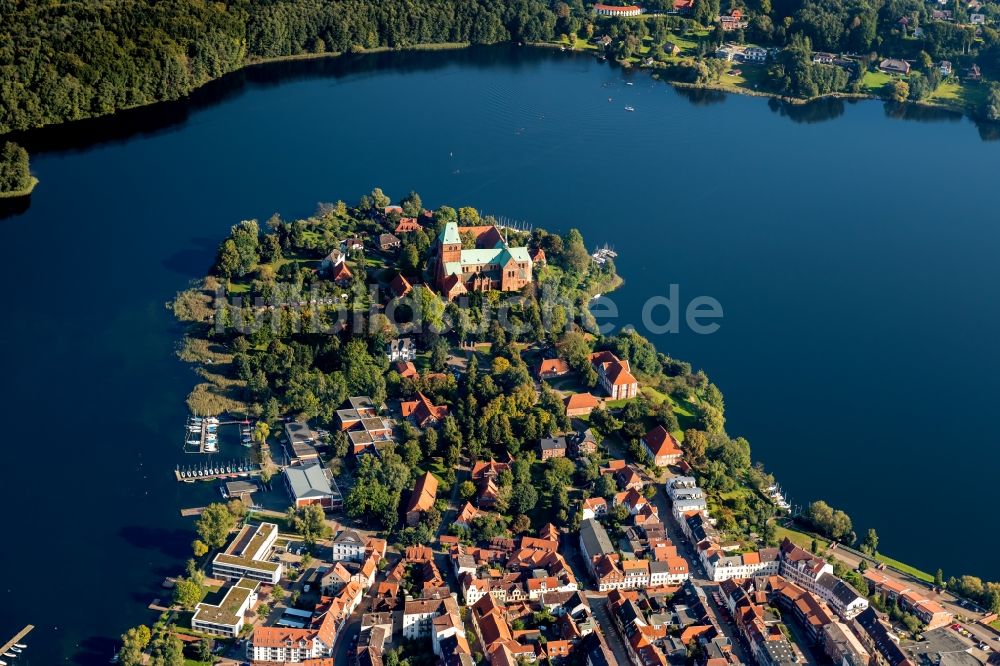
(602, 255)
(14, 648)
(777, 496)
(213, 470)
(201, 434)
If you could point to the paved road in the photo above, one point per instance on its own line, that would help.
(599, 604)
(344, 648)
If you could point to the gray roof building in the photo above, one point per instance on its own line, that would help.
(309, 484)
(594, 539)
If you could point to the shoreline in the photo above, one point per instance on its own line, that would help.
(458, 46)
(737, 90)
(21, 193)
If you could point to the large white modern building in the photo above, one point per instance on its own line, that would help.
(227, 617)
(247, 556)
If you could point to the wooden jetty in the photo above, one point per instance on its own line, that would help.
(17, 638)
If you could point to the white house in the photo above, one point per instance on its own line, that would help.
(418, 615)
(348, 546)
(401, 349)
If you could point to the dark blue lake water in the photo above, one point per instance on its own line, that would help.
(853, 252)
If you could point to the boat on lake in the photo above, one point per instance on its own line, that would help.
(630, 108)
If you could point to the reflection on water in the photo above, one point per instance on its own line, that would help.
(14, 207)
(817, 111)
(702, 96)
(988, 131)
(920, 113)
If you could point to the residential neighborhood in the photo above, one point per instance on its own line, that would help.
(540, 497)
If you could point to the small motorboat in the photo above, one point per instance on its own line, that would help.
(630, 108)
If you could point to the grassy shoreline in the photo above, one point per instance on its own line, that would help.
(20, 193)
(804, 539)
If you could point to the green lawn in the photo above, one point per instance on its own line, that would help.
(874, 82)
(967, 97)
(800, 539)
(905, 568)
(995, 624)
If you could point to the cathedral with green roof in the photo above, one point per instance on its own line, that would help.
(491, 266)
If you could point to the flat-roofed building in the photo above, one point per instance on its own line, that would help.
(227, 617)
(247, 555)
(300, 446)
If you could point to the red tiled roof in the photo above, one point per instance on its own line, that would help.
(553, 366)
(406, 369)
(424, 493)
(662, 443)
(400, 286)
(340, 272)
(582, 401)
(423, 410)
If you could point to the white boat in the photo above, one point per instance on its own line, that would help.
(20, 645)
(629, 83)
(3, 663)
(193, 442)
(630, 108)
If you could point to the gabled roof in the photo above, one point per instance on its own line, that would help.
(407, 224)
(308, 481)
(400, 286)
(618, 372)
(406, 369)
(553, 366)
(423, 410)
(340, 272)
(424, 493)
(582, 401)
(661, 443)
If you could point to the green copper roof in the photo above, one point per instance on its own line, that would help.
(450, 235)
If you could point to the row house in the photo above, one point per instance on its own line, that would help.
(721, 567)
(683, 488)
(317, 641)
(640, 637)
(418, 615)
(911, 599)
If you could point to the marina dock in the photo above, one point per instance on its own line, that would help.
(213, 471)
(18, 637)
(201, 434)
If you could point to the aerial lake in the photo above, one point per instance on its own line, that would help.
(852, 246)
